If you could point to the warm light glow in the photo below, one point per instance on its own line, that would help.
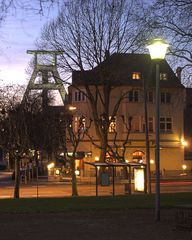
(184, 143)
(157, 49)
(77, 172)
(50, 165)
(57, 171)
(126, 161)
(71, 108)
(184, 166)
(96, 158)
(136, 75)
(152, 161)
(139, 179)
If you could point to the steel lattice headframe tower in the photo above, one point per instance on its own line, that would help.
(45, 72)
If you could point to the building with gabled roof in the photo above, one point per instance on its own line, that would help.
(127, 73)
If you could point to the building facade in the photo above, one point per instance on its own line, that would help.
(130, 78)
(188, 128)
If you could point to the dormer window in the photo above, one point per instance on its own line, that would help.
(163, 76)
(136, 75)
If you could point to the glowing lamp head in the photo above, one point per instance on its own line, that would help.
(157, 49)
(184, 166)
(57, 171)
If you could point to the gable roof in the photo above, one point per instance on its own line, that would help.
(118, 69)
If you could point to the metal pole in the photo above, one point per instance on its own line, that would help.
(113, 181)
(37, 180)
(147, 145)
(96, 181)
(129, 179)
(157, 147)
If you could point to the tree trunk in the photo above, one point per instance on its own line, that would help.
(74, 178)
(17, 177)
(104, 142)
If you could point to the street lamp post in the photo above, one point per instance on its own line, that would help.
(157, 49)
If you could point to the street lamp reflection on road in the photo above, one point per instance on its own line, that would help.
(157, 49)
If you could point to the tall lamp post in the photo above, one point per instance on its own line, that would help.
(157, 49)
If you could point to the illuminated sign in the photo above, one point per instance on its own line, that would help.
(139, 179)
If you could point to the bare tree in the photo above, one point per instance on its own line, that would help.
(37, 6)
(21, 127)
(172, 19)
(88, 32)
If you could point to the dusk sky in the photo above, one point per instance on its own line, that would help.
(18, 33)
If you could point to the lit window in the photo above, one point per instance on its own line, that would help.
(79, 96)
(165, 97)
(163, 76)
(136, 75)
(133, 96)
(165, 124)
(112, 125)
(79, 123)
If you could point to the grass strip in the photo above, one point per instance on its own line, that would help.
(56, 205)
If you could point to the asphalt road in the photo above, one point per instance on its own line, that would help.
(62, 189)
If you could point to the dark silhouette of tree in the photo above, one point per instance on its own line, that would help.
(88, 32)
(172, 20)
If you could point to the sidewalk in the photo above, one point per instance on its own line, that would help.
(133, 224)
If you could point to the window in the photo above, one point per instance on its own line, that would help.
(150, 97)
(136, 124)
(79, 96)
(163, 76)
(165, 97)
(133, 96)
(79, 122)
(165, 124)
(150, 124)
(112, 126)
(136, 75)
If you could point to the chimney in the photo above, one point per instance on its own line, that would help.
(178, 72)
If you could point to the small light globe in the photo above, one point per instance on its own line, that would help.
(57, 172)
(77, 172)
(157, 49)
(152, 161)
(184, 166)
